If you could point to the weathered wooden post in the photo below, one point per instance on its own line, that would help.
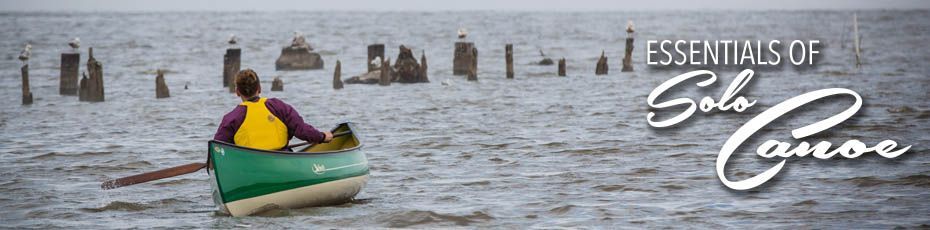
(68, 84)
(161, 89)
(406, 69)
(472, 73)
(231, 62)
(466, 56)
(601, 68)
(27, 95)
(628, 56)
(374, 50)
(508, 55)
(91, 88)
(385, 79)
(856, 41)
(423, 71)
(298, 56)
(337, 76)
(277, 84)
(562, 67)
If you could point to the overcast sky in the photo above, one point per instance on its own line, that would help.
(434, 5)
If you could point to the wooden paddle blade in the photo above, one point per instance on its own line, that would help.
(150, 176)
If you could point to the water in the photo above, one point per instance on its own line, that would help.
(538, 151)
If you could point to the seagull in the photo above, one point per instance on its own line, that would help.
(298, 39)
(232, 40)
(629, 27)
(376, 62)
(541, 53)
(446, 82)
(75, 43)
(462, 33)
(24, 56)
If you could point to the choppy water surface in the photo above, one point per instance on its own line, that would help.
(537, 151)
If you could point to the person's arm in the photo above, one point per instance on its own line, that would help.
(295, 123)
(230, 125)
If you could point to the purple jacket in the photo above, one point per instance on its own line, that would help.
(295, 124)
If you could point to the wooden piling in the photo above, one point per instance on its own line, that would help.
(374, 50)
(562, 67)
(27, 95)
(68, 83)
(337, 76)
(231, 61)
(424, 77)
(385, 79)
(466, 57)
(277, 84)
(406, 69)
(472, 73)
(601, 68)
(161, 89)
(91, 88)
(856, 39)
(508, 55)
(628, 56)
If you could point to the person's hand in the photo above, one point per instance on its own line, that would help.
(327, 137)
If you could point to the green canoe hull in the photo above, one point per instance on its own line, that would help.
(247, 181)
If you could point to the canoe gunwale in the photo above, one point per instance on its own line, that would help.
(301, 152)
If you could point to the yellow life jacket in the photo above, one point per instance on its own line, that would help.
(261, 129)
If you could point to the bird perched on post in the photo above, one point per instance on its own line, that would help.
(629, 27)
(24, 56)
(298, 40)
(376, 62)
(462, 33)
(75, 44)
(232, 40)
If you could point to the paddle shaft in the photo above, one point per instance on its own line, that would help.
(339, 134)
(155, 175)
(176, 171)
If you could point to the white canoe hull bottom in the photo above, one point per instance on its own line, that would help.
(333, 192)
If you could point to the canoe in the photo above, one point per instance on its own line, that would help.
(247, 181)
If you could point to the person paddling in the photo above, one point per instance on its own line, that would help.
(263, 123)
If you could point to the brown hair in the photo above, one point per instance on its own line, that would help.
(247, 83)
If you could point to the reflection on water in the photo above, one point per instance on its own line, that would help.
(539, 150)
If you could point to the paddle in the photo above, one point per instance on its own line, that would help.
(150, 176)
(175, 171)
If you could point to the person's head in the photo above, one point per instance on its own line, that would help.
(247, 84)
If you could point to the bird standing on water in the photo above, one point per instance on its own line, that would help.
(24, 56)
(75, 44)
(463, 33)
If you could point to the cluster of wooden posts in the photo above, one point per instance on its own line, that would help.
(465, 62)
(88, 88)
